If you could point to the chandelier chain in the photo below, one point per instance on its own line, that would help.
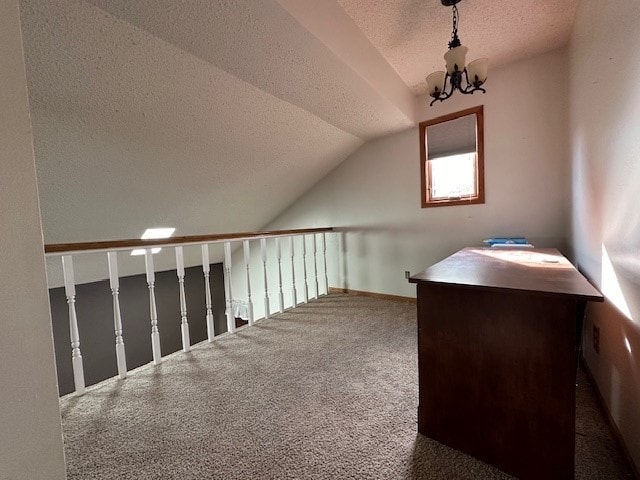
(455, 41)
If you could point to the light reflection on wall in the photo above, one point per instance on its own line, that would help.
(611, 286)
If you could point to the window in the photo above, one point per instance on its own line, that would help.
(452, 159)
(453, 176)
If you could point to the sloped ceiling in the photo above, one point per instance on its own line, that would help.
(207, 117)
(214, 116)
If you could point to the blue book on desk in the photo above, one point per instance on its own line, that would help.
(506, 241)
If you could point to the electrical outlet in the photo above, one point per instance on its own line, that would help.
(596, 338)
(407, 274)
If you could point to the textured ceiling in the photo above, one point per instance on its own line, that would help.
(207, 117)
(215, 116)
(260, 43)
(413, 34)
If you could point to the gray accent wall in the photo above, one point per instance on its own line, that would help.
(95, 321)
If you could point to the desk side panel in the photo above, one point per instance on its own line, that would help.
(497, 377)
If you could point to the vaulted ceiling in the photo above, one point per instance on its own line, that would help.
(216, 116)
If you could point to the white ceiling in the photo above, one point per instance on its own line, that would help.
(216, 116)
(413, 34)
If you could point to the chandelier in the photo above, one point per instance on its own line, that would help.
(466, 79)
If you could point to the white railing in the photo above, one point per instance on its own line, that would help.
(305, 238)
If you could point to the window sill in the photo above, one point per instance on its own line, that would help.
(452, 202)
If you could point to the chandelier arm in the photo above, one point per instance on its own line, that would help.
(466, 76)
(445, 94)
(439, 99)
(469, 87)
(471, 91)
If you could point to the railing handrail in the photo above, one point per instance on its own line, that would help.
(111, 245)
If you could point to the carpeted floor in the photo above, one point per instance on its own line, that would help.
(325, 391)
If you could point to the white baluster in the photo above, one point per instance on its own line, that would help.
(281, 294)
(114, 281)
(342, 261)
(324, 257)
(153, 311)
(207, 291)
(315, 265)
(231, 319)
(263, 253)
(247, 260)
(294, 294)
(70, 292)
(304, 268)
(184, 325)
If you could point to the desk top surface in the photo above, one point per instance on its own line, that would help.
(537, 271)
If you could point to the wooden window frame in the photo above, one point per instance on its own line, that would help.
(425, 170)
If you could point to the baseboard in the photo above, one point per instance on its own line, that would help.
(612, 425)
(384, 296)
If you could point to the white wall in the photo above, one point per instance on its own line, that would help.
(375, 194)
(31, 436)
(605, 156)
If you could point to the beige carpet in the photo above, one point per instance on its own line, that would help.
(325, 391)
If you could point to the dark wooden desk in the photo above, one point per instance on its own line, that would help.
(498, 337)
